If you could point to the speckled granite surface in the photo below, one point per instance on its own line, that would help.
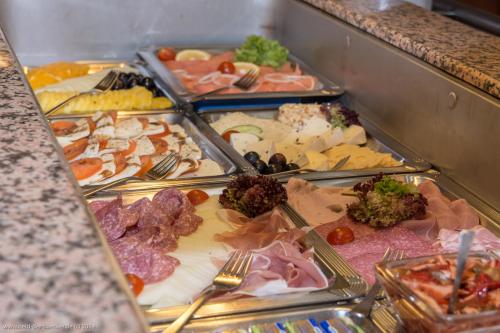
(462, 51)
(54, 273)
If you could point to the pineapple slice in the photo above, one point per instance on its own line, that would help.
(137, 98)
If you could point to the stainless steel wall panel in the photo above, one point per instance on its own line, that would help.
(406, 97)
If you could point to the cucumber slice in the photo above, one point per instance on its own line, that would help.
(252, 129)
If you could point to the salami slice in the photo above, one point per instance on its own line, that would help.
(114, 219)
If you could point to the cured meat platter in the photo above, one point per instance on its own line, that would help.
(344, 284)
(323, 88)
(381, 146)
(134, 134)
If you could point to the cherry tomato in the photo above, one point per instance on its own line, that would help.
(226, 67)
(166, 54)
(227, 135)
(340, 235)
(197, 197)
(135, 283)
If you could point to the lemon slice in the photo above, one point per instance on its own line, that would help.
(192, 55)
(243, 67)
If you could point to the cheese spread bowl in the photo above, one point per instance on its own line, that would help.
(419, 312)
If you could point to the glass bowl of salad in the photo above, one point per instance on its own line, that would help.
(420, 288)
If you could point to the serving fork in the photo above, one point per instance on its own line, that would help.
(157, 172)
(336, 167)
(365, 306)
(244, 83)
(230, 277)
(104, 85)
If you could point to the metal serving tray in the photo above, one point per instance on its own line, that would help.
(208, 149)
(383, 315)
(377, 141)
(245, 321)
(347, 284)
(99, 65)
(325, 89)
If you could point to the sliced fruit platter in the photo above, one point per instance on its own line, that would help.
(199, 70)
(133, 90)
(105, 147)
(307, 137)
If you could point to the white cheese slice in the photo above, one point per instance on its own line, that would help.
(241, 141)
(133, 166)
(105, 128)
(153, 128)
(144, 146)
(174, 128)
(333, 138)
(315, 126)
(207, 168)
(190, 150)
(265, 148)
(114, 145)
(355, 135)
(128, 128)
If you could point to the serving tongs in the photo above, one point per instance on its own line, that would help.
(104, 85)
(157, 172)
(466, 237)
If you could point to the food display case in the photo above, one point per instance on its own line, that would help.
(434, 127)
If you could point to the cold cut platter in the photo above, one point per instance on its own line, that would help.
(198, 69)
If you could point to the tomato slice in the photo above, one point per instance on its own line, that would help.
(227, 135)
(135, 283)
(166, 54)
(161, 146)
(76, 148)
(226, 67)
(144, 121)
(103, 143)
(146, 164)
(340, 235)
(62, 127)
(86, 167)
(120, 162)
(114, 115)
(92, 125)
(197, 197)
(162, 134)
(131, 147)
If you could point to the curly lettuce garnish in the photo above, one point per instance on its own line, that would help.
(253, 195)
(385, 201)
(340, 116)
(262, 51)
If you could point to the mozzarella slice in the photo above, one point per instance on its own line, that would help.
(154, 128)
(190, 150)
(133, 166)
(174, 128)
(105, 128)
(241, 141)
(114, 145)
(128, 128)
(144, 146)
(206, 168)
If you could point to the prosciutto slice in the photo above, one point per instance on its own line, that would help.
(281, 268)
(258, 232)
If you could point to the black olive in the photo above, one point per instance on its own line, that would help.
(278, 159)
(132, 82)
(157, 92)
(252, 157)
(147, 83)
(140, 77)
(119, 84)
(261, 166)
(291, 166)
(274, 168)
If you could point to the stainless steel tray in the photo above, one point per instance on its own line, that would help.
(377, 141)
(245, 321)
(347, 285)
(208, 149)
(99, 65)
(325, 88)
(383, 315)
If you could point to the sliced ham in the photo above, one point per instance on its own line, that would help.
(258, 232)
(281, 268)
(484, 240)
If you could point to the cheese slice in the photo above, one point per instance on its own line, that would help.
(108, 168)
(265, 148)
(144, 146)
(128, 128)
(241, 141)
(354, 135)
(317, 161)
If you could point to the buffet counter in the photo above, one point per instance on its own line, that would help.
(56, 269)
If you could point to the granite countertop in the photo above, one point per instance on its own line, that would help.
(55, 275)
(460, 50)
